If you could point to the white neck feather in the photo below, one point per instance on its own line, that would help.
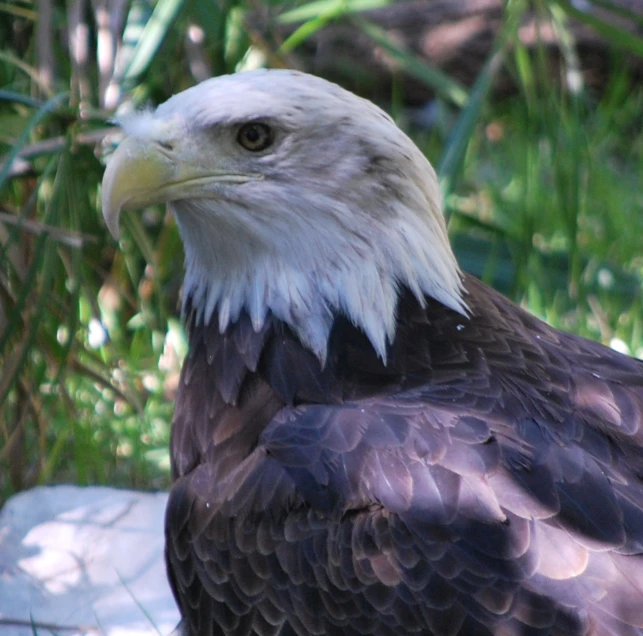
(307, 266)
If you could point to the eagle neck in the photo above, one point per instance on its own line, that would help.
(307, 290)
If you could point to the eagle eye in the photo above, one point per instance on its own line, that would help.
(255, 136)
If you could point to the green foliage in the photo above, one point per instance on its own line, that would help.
(542, 189)
(553, 179)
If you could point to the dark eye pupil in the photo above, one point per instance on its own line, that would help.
(255, 136)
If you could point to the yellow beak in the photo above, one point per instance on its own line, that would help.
(137, 175)
(142, 173)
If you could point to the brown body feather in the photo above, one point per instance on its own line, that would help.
(486, 480)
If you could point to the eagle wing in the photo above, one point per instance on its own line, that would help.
(465, 500)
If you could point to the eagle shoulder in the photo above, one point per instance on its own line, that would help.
(488, 475)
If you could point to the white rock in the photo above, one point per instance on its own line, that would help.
(90, 559)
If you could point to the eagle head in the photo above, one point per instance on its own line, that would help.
(292, 196)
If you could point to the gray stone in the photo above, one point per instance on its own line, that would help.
(88, 559)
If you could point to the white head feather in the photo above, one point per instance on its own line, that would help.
(344, 211)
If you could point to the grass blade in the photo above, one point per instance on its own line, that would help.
(47, 108)
(618, 37)
(450, 164)
(446, 87)
(312, 10)
(151, 38)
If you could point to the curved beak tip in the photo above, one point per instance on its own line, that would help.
(110, 194)
(111, 222)
(135, 177)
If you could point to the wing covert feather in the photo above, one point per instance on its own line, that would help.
(487, 481)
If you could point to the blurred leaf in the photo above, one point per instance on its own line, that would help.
(334, 11)
(617, 36)
(313, 10)
(18, 98)
(450, 165)
(442, 84)
(152, 34)
(47, 108)
(27, 69)
(616, 8)
(18, 12)
(317, 15)
(62, 236)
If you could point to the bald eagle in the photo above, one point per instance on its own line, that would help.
(365, 439)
